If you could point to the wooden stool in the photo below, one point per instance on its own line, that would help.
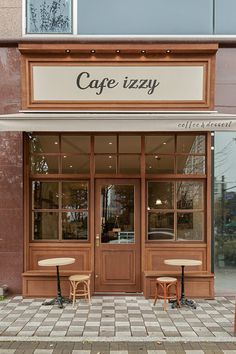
(166, 283)
(77, 279)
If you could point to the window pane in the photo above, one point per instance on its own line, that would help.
(44, 143)
(129, 144)
(105, 144)
(191, 165)
(194, 144)
(160, 195)
(49, 16)
(189, 195)
(75, 226)
(75, 164)
(75, 144)
(190, 226)
(44, 164)
(45, 195)
(160, 226)
(159, 164)
(129, 164)
(74, 195)
(105, 164)
(160, 143)
(45, 226)
(117, 214)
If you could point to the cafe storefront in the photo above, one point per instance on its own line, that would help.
(117, 163)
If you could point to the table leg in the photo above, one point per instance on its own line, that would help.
(183, 300)
(59, 300)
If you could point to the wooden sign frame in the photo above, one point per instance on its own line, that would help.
(109, 54)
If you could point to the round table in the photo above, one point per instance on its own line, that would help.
(183, 263)
(56, 262)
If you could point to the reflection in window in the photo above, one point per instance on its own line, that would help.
(160, 226)
(105, 164)
(49, 16)
(45, 226)
(44, 164)
(190, 226)
(189, 195)
(74, 226)
(44, 143)
(45, 195)
(75, 144)
(74, 195)
(117, 214)
(191, 144)
(225, 211)
(189, 165)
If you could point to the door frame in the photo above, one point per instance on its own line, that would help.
(99, 286)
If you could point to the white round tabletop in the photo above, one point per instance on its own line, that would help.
(56, 262)
(183, 262)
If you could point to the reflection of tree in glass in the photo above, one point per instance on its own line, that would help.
(49, 17)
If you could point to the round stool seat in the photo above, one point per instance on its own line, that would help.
(79, 277)
(166, 279)
(80, 286)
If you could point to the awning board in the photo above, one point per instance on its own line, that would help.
(122, 121)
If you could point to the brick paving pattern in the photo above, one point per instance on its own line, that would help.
(116, 348)
(116, 317)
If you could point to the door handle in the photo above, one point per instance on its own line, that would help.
(97, 240)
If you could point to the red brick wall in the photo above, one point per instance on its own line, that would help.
(11, 175)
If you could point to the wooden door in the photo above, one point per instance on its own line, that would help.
(117, 236)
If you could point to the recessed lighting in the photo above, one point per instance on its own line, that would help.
(67, 51)
(110, 143)
(110, 166)
(93, 51)
(150, 167)
(64, 156)
(71, 166)
(118, 51)
(110, 157)
(56, 142)
(164, 143)
(143, 51)
(168, 51)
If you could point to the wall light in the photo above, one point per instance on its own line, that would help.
(158, 201)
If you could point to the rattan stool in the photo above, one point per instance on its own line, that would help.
(165, 283)
(75, 281)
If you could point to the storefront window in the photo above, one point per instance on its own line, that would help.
(60, 210)
(49, 16)
(225, 212)
(175, 210)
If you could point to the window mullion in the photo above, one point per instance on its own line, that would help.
(60, 212)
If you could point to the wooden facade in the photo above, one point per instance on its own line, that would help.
(145, 258)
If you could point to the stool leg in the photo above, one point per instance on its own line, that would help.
(74, 292)
(156, 295)
(88, 288)
(165, 294)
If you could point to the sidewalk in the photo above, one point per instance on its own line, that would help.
(116, 318)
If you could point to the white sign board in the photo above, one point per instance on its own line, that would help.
(118, 83)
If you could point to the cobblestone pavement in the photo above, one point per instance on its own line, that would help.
(127, 317)
(116, 348)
